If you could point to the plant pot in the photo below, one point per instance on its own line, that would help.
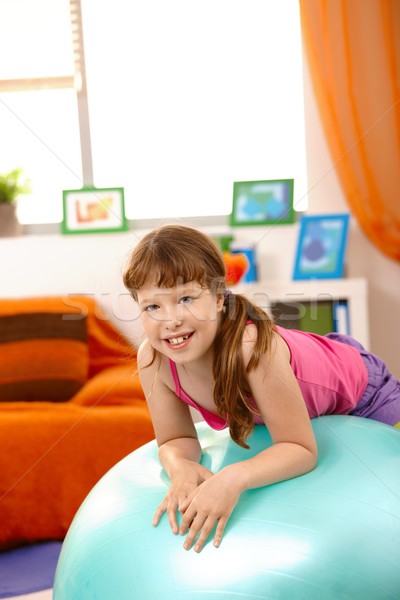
(9, 224)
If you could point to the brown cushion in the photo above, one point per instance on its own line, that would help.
(43, 356)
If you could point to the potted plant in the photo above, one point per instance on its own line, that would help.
(12, 184)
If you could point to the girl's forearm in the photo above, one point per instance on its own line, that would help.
(173, 452)
(279, 462)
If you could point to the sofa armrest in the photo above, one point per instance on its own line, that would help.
(117, 385)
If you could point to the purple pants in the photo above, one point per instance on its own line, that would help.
(381, 399)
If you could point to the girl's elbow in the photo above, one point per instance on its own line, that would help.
(308, 457)
(312, 459)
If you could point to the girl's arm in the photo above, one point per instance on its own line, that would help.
(293, 453)
(283, 409)
(179, 448)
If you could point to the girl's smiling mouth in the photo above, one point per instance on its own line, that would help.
(178, 341)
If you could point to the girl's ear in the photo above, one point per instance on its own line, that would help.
(220, 302)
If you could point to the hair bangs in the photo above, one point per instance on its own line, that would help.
(164, 267)
(174, 267)
(175, 255)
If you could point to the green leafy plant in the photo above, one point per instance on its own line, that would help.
(13, 184)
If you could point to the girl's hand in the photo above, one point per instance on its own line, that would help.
(209, 504)
(187, 478)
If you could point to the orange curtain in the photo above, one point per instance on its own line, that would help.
(353, 51)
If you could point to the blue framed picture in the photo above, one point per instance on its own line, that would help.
(321, 247)
(262, 202)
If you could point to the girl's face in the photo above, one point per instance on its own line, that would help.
(180, 322)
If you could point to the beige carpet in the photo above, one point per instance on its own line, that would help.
(43, 595)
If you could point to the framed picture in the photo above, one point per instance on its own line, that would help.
(92, 210)
(321, 246)
(262, 202)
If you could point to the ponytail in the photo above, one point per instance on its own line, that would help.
(231, 390)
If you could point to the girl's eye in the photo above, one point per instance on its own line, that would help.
(150, 308)
(186, 300)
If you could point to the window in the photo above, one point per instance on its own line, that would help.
(38, 102)
(184, 99)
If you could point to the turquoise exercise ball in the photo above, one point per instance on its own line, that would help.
(331, 534)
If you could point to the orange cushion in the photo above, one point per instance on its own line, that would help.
(43, 355)
(53, 454)
(119, 385)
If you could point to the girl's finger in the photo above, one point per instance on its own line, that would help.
(195, 527)
(159, 513)
(219, 532)
(206, 530)
(184, 504)
(187, 521)
(171, 513)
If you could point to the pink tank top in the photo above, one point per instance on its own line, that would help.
(331, 375)
(214, 421)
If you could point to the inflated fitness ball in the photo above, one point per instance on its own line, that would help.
(331, 534)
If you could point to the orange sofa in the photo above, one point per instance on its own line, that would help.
(71, 406)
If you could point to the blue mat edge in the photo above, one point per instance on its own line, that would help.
(24, 558)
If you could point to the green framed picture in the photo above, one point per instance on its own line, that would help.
(94, 210)
(262, 202)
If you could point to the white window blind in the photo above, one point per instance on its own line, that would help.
(35, 42)
(40, 77)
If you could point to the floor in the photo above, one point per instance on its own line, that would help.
(43, 595)
(28, 568)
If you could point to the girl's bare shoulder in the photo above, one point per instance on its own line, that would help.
(145, 354)
(248, 342)
(151, 364)
(278, 345)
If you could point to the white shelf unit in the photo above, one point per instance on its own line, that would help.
(353, 291)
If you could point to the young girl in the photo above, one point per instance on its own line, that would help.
(219, 353)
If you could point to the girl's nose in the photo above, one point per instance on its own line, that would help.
(174, 323)
(174, 318)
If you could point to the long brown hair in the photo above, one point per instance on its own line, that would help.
(177, 254)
